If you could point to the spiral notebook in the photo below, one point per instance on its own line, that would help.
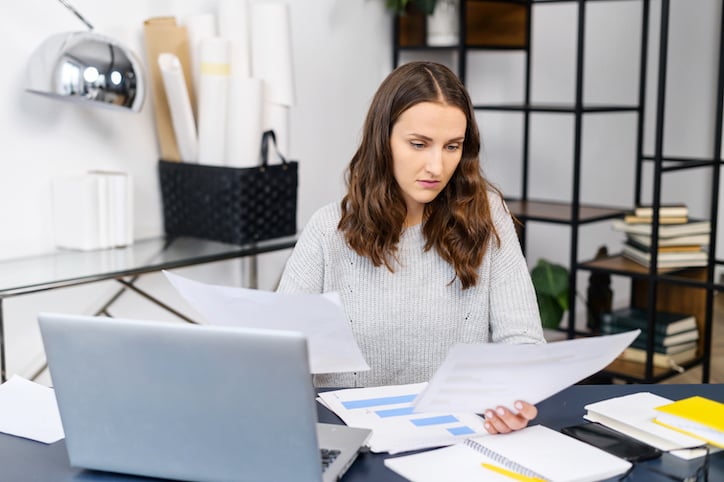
(537, 451)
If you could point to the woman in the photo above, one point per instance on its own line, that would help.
(421, 249)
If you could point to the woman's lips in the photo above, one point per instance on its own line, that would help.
(428, 184)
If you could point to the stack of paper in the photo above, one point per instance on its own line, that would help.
(698, 417)
(634, 416)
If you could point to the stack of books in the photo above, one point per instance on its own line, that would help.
(682, 241)
(675, 335)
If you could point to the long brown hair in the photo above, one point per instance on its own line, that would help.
(457, 223)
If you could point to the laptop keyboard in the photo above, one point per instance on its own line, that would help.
(328, 456)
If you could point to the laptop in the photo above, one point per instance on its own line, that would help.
(190, 402)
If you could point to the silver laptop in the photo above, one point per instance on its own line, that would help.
(202, 403)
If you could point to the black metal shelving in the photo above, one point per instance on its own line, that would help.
(575, 213)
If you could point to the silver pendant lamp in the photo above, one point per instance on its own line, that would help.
(88, 68)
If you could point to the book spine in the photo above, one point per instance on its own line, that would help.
(502, 461)
(660, 340)
(620, 325)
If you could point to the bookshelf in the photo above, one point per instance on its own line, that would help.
(687, 291)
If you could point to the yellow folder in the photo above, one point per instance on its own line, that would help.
(696, 416)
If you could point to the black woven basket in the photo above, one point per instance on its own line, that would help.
(232, 205)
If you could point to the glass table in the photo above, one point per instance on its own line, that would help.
(65, 268)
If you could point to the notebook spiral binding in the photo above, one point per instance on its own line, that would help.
(502, 461)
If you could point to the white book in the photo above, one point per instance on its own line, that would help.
(634, 416)
(686, 240)
(76, 213)
(103, 200)
(667, 260)
(666, 230)
(535, 451)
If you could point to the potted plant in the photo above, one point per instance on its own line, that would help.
(551, 289)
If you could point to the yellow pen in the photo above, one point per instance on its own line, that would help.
(511, 474)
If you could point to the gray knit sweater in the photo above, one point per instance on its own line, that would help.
(406, 321)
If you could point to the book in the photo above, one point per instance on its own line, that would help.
(633, 219)
(663, 360)
(634, 415)
(665, 210)
(696, 416)
(665, 323)
(681, 248)
(693, 226)
(536, 451)
(664, 349)
(693, 239)
(662, 343)
(666, 260)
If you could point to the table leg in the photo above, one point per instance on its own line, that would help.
(3, 374)
(155, 300)
(249, 272)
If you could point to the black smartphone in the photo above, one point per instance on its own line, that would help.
(613, 442)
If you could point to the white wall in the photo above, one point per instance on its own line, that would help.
(342, 52)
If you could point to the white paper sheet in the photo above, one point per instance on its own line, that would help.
(387, 411)
(29, 410)
(476, 377)
(332, 347)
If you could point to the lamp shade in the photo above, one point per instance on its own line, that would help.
(87, 67)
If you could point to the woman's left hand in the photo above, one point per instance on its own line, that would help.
(502, 420)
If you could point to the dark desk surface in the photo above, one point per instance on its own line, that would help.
(28, 461)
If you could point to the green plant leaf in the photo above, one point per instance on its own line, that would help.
(551, 312)
(427, 6)
(550, 279)
(551, 290)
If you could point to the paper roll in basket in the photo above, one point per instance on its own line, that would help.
(228, 204)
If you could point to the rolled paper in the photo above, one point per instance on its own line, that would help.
(213, 98)
(182, 115)
(234, 27)
(244, 121)
(276, 118)
(199, 27)
(271, 50)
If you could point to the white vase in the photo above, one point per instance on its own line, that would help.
(443, 25)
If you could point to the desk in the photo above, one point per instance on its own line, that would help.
(71, 268)
(25, 460)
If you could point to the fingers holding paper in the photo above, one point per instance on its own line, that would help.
(502, 420)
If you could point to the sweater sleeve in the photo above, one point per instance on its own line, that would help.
(514, 315)
(304, 271)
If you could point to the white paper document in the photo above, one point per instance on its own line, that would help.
(388, 412)
(29, 410)
(320, 317)
(634, 415)
(533, 453)
(476, 377)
